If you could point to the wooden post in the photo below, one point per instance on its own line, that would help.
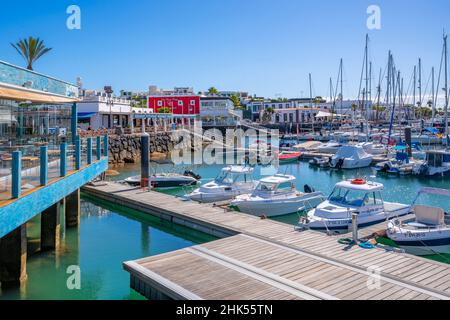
(13, 257)
(99, 148)
(77, 154)
(145, 161)
(73, 209)
(105, 145)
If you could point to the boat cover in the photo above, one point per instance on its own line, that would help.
(354, 152)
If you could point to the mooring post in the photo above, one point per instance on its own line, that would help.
(408, 140)
(50, 227)
(355, 227)
(43, 175)
(16, 187)
(145, 161)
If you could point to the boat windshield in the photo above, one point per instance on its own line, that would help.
(233, 177)
(348, 197)
(266, 187)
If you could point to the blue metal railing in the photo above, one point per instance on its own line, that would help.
(65, 159)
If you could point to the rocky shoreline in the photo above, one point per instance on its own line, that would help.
(127, 148)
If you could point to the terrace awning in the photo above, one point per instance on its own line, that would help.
(16, 93)
(86, 115)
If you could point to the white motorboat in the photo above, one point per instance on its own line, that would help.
(351, 157)
(330, 147)
(437, 164)
(373, 148)
(231, 182)
(322, 162)
(401, 164)
(166, 180)
(353, 196)
(429, 232)
(277, 196)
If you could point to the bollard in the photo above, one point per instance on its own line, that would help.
(145, 161)
(355, 227)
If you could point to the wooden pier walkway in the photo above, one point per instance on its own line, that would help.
(265, 259)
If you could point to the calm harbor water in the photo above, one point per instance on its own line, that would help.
(108, 235)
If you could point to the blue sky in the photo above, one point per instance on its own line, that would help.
(266, 47)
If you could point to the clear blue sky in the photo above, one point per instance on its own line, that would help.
(266, 47)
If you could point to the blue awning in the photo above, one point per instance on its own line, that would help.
(86, 115)
(432, 130)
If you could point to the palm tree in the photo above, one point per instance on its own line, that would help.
(213, 91)
(31, 50)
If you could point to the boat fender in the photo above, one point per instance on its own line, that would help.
(367, 245)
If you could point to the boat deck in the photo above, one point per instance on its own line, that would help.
(265, 259)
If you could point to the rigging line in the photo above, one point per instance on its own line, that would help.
(439, 77)
(426, 88)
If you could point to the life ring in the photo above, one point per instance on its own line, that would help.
(359, 181)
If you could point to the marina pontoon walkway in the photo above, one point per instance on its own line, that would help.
(265, 259)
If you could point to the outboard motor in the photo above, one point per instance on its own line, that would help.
(189, 173)
(308, 189)
(340, 163)
(423, 169)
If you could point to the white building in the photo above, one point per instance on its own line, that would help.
(218, 111)
(177, 91)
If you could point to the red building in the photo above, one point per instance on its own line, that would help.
(180, 105)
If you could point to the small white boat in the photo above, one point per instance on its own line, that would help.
(400, 165)
(231, 182)
(351, 157)
(373, 148)
(330, 147)
(428, 233)
(166, 180)
(437, 164)
(348, 197)
(323, 162)
(277, 196)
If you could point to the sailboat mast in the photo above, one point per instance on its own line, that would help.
(379, 95)
(446, 89)
(414, 92)
(433, 105)
(311, 103)
(342, 84)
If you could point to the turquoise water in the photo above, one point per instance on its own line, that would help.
(107, 236)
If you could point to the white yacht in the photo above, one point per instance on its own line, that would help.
(231, 182)
(351, 157)
(277, 196)
(348, 197)
(429, 232)
(373, 148)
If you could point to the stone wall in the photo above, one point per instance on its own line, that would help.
(127, 148)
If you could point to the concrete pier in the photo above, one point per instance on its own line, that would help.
(13, 257)
(73, 209)
(51, 226)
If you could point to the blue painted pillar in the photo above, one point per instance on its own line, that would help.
(145, 160)
(63, 160)
(99, 148)
(44, 166)
(105, 145)
(16, 174)
(74, 122)
(89, 150)
(77, 154)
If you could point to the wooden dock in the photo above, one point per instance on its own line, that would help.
(264, 259)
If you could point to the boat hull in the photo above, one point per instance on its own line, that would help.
(274, 208)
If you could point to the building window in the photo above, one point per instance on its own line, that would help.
(159, 103)
(180, 103)
(192, 102)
